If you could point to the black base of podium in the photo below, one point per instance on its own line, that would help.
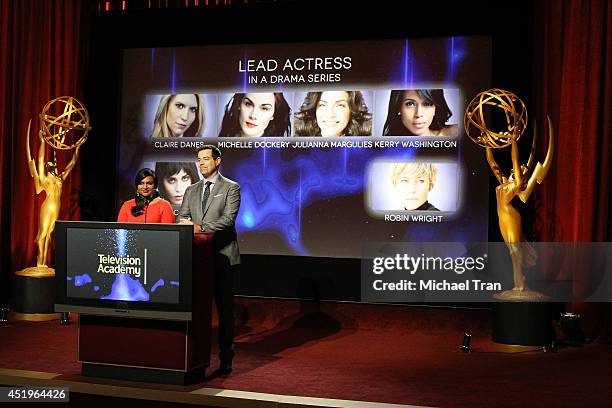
(523, 323)
(144, 374)
(33, 295)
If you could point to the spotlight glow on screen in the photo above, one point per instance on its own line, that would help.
(314, 167)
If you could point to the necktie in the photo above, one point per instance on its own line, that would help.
(205, 196)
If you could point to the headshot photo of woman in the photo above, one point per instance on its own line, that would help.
(413, 182)
(333, 114)
(412, 185)
(174, 178)
(418, 112)
(146, 206)
(180, 115)
(259, 114)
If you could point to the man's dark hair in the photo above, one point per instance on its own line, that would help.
(216, 153)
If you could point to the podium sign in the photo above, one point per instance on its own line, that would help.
(124, 269)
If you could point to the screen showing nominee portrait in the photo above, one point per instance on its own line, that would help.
(334, 144)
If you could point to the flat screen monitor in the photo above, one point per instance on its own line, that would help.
(124, 269)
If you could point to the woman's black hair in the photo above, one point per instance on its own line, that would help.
(142, 202)
(164, 170)
(393, 124)
(360, 123)
(279, 126)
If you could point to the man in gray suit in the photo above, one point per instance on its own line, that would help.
(213, 203)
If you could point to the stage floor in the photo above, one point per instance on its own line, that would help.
(336, 354)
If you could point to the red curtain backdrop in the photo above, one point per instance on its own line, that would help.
(40, 59)
(573, 84)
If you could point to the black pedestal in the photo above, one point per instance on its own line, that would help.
(525, 324)
(33, 295)
(144, 374)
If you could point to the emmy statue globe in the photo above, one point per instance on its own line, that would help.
(519, 181)
(64, 126)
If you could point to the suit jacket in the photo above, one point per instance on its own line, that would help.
(219, 216)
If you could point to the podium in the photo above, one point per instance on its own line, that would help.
(152, 346)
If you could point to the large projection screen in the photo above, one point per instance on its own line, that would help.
(351, 151)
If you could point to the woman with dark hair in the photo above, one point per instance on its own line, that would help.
(333, 113)
(179, 115)
(255, 115)
(146, 206)
(418, 112)
(174, 178)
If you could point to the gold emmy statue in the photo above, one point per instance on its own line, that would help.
(521, 180)
(64, 125)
